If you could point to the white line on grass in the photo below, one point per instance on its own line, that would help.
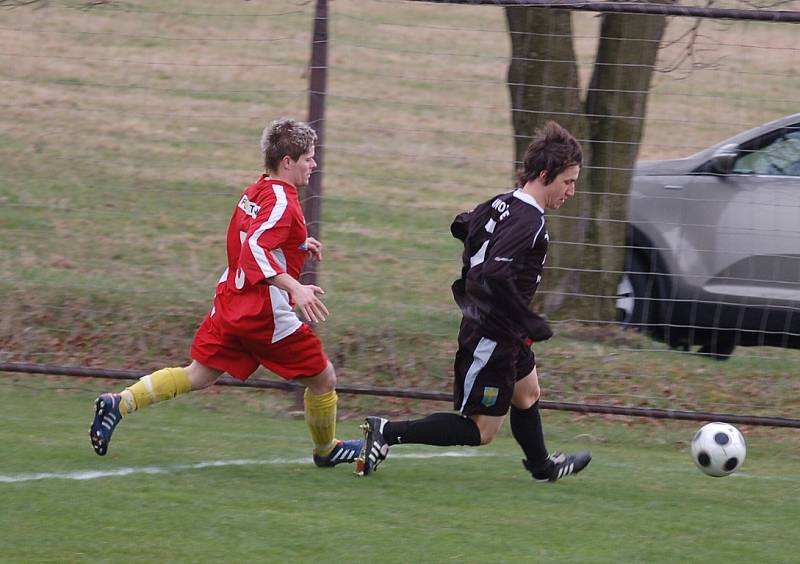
(127, 471)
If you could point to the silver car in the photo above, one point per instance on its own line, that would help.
(713, 244)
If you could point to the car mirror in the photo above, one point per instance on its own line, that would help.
(724, 158)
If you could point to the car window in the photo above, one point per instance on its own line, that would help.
(779, 157)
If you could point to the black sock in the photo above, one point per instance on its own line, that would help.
(438, 429)
(526, 426)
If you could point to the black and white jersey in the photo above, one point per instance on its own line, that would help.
(505, 246)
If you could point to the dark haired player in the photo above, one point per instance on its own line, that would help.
(505, 246)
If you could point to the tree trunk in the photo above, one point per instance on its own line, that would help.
(588, 233)
(616, 105)
(543, 83)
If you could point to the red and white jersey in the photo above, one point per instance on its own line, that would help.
(265, 235)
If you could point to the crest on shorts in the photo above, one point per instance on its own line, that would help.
(490, 396)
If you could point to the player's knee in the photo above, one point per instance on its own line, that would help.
(323, 382)
(488, 431)
(202, 376)
(528, 398)
(487, 436)
(533, 396)
(330, 376)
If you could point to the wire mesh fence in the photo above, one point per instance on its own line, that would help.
(130, 129)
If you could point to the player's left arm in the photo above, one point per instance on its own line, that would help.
(460, 226)
(313, 249)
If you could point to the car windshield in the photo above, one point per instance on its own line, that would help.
(780, 157)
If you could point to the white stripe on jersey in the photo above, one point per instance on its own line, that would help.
(274, 216)
(279, 257)
(286, 320)
(537, 235)
(480, 256)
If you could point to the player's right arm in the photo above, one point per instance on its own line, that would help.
(510, 242)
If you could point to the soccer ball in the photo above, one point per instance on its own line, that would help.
(718, 449)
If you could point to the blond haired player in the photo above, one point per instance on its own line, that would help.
(253, 321)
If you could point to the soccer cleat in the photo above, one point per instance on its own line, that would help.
(344, 451)
(559, 465)
(375, 446)
(106, 419)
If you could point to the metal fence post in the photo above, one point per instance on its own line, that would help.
(312, 203)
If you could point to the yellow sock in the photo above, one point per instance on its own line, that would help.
(161, 385)
(321, 420)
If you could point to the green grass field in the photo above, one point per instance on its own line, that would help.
(227, 477)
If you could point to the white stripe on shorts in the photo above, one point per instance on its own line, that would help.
(480, 357)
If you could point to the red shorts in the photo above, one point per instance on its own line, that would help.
(297, 356)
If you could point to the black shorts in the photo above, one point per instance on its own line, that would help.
(486, 371)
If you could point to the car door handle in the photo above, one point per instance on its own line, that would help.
(672, 187)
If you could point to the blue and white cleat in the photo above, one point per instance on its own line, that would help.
(106, 419)
(343, 452)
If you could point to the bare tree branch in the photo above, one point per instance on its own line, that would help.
(766, 5)
(20, 3)
(87, 5)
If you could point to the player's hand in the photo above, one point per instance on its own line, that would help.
(313, 249)
(306, 300)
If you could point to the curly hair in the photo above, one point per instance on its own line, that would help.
(284, 137)
(553, 150)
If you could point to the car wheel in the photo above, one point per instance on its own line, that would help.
(636, 295)
(719, 347)
(641, 293)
